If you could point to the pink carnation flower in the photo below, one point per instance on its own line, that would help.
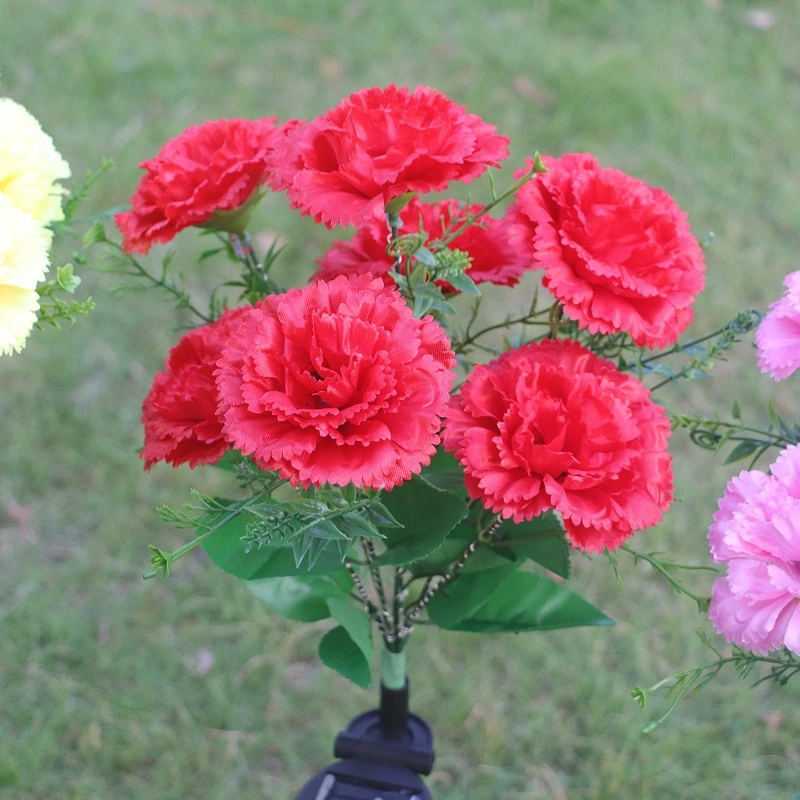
(756, 532)
(778, 336)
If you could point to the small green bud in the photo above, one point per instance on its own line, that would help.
(237, 219)
(394, 207)
(66, 278)
(160, 563)
(95, 234)
(538, 164)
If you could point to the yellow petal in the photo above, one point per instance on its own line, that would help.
(30, 165)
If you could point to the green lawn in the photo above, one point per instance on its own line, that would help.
(117, 688)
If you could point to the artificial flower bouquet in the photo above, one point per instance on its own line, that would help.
(395, 456)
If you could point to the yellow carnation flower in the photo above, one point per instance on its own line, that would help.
(18, 309)
(30, 165)
(23, 263)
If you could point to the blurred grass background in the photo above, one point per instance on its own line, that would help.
(112, 687)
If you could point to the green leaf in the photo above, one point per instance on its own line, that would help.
(353, 525)
(378, 514)
(517, 601)
(206, 254)
(741, 451)
(427, 515)
(772, 416)
(424, 256)
(444, 472)
(228, 462)
(463, 283)
(322, 529)
(226, 549)
(302, 598)
(541, 539)
(349, 493)
(311, 546)
(736, 411)
(355, 621)
(338, 651)
(452, 548)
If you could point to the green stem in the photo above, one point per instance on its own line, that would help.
(393, 668)
(242, 245)
(161, 561)
(662, 567)
(528, 319)
(182, 297)
(471, 219)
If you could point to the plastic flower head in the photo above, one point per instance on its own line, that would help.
(493, 259)
(552, 426)
(336, 383)
(30, 165)
(379, 144)
(756, 532)
(180, 412)
(209, 171)
(778, 335)
(23, 263)
(618, 254)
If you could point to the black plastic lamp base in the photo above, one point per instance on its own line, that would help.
(383, 752)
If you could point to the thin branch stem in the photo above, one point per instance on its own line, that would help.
(471, 219)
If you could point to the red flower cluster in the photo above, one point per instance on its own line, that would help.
(213, 167)
(336, 383)
(180, 412)
(616, 253)
(553, 426)
(494, 260)
(379, 144)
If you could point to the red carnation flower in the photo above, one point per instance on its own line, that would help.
(551, 425)
(616, 253)
(180, 412)
(336, 383)
(494, 260)
(214, 167)
(379, 144)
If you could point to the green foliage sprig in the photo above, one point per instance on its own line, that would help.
(53, 309)
(783, 666)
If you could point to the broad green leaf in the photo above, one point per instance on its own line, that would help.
(464, 596)
(453, 547)
(353, 619)
(427, 515)
(541, 539)
(520, 601)
(444, 472)
(338, 651)
(302, 598)
(226, 549)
